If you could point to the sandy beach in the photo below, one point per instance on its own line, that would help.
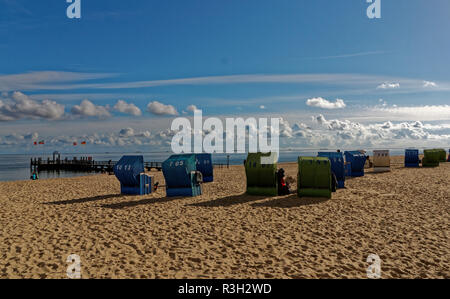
(402, 216)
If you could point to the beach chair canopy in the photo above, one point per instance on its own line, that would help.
(181, 175)
(412, 158)
(314, 177)
(357, 161)
(261, 178)
(337, 165)
(128, 169)
(381, 158)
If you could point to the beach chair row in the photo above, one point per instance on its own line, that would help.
(317, 176)
(320, 176)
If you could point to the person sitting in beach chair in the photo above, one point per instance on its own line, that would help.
(283, 185)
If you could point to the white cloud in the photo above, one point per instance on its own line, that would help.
(387, 85)
(127, 108)
(429, 84)
(88, 109)
(20, 106)
(158, 108)
(262, 107)
(325, 104)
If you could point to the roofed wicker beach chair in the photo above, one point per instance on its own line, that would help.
(357, 161)
(314, 177)
(337, 166)
(442, 155)
(131, 174)
(431, 158)
(381, 161)
(261, 177)
(412, 158)
(181, 176)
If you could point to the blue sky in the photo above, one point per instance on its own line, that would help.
(229, 58)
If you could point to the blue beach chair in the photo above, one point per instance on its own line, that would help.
(131, 174)
(337, 166)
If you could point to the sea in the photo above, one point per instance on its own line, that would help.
(16, 167)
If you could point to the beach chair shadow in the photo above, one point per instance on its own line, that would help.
(134, 203)
(290, 201)
(84, 200)
(229, 201)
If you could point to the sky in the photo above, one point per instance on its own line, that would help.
(120, 74)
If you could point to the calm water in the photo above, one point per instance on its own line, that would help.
(17, 167)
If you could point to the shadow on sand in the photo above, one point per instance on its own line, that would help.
(228, 201)
(84, 200)
(134, 203)
(290, 201)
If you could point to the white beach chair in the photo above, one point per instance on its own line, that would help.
(381, 161)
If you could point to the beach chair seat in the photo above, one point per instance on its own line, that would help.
(314, 177)
(131, 174)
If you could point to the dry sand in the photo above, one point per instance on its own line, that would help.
(403, 216)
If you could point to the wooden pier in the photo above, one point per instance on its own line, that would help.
(84, 164)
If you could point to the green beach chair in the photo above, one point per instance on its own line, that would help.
(431, 158)
(261, 178)
(442, 154)
(314, 177)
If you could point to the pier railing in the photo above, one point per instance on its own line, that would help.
(87, 164)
